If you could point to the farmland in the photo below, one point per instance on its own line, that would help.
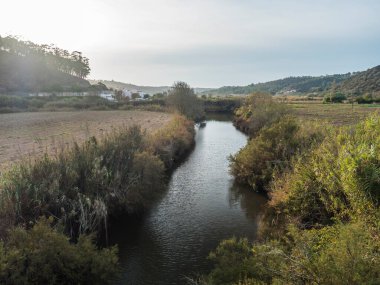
(35, 133)
(336, 114)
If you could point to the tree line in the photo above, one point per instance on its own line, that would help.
(73, 63)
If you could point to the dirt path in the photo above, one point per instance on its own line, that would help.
(24, 134)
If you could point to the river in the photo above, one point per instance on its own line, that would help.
(201, 207)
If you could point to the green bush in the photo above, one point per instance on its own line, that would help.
(42, 255)
(259, 110)
(271, 150)
(83, 185)
(341, 254)
(339, 180)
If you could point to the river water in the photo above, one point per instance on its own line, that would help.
(201, 207)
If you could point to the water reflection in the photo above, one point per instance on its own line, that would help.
(201, 207)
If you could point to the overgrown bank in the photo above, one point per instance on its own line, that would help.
(322, 222)
(79, 189)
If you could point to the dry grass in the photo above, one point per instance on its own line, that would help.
(35, 133)
(336, 114)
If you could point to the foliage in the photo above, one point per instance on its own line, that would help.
(362, 82)
(300, 84)
(272, 150)
(42, 255)
(334, 97)
(341, 254)
(84, 185)
(322, 224)
(182, 98)
(259, 110)
(339, 180)
(221, 105)
(173, 142)
(72, 63)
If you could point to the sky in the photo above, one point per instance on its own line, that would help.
(207, 43)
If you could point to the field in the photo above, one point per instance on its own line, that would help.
(337, 114)
(33, 134)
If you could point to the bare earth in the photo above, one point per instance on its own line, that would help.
(33, 134)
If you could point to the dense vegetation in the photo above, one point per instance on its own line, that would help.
(80, 188)
(362, 83)
(322, 221)
(259, 110)
(301, 84)
(43, 255)
(182, 98)
(28, 67)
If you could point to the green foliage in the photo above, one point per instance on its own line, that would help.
(300, 84)
(258, 111)
(362, 82)
(172, 143)
(83, 185)
(322, 224)
(42, 255)
(342, 254)
(335, 97)
(53, 57)
(221, 105)
(182, 99)
(339, 180)
(272, 150)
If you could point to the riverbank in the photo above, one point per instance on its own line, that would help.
(200, 207)
(80, 187)
(37, 133)
(321, 222)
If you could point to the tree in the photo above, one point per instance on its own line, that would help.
(182, 98)
(135, 96)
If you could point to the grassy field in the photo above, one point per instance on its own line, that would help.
(337, 114)
(33, 134)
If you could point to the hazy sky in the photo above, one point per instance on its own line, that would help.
(207, 43)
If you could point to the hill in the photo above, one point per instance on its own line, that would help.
(362, 82)
(146, 89)
(301, 84)
(28, 67)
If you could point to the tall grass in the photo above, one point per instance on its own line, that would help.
(81, 187)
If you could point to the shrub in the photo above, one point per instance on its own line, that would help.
(83, 185)
(258, 111)
(173, 142)
(339, 180)
(271, 150)
(42, 255)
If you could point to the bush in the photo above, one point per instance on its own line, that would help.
(172, 143)
(342, 254)
(258, 111)
(271, 150)
(339, 180)
(42, 255)
(84, 185)
(182, 99)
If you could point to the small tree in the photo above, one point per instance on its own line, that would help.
(135, 96)
(182, 98)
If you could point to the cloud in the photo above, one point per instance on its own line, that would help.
(209, 43)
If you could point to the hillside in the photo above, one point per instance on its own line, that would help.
(28, 67)
(301, 84)
(146, 89)
(362, 82)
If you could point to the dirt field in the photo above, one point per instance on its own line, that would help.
(24, 134)
(337, 114)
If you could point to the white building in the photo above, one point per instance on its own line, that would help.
(128, 93)
(109, 95)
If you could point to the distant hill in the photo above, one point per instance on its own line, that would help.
(301, 84)
(146, 89)
(28, 67)
(362, 82)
